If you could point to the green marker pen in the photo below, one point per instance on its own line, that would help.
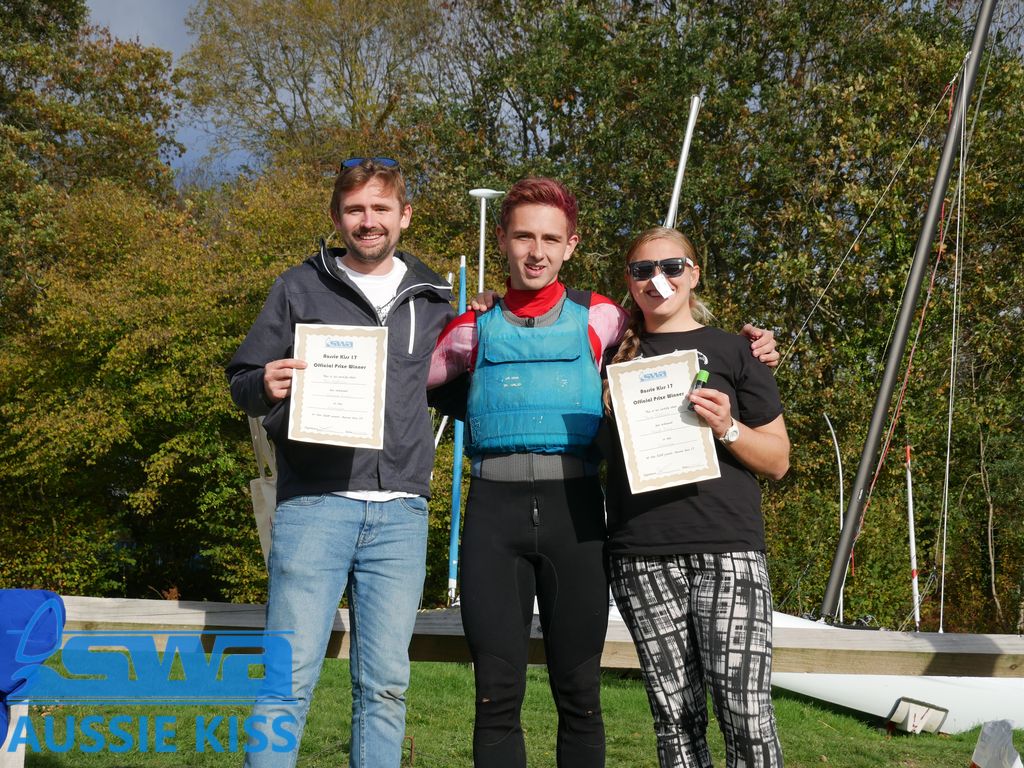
(698, 383)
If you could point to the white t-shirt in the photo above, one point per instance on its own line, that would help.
(381, 291)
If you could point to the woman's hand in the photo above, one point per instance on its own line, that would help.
(713, 406)
(764, 450)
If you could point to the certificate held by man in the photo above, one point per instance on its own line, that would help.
(664, 444)
(338, 399)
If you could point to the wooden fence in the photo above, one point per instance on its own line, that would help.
(438, 637)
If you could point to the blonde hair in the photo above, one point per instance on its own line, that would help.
(629, 346)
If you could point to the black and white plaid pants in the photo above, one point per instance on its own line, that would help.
(703, 621)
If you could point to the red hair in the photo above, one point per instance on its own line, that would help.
(540, 190)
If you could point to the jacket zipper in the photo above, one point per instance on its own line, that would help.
(395, 301)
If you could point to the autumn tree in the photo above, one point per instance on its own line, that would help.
(75, 106)
(815, 149)
(124, 456)
(809, 111)
(292, 77)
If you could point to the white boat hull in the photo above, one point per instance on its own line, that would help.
(946, 704)
(968, 701)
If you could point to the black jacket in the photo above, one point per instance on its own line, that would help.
(318, 291)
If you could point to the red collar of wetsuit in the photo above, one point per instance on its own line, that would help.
(532, 303)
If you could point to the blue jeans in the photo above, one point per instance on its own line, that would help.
(321, 546)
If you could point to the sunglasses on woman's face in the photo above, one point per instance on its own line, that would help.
(644, 270)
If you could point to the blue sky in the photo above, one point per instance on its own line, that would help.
(159, 23)
(153, 22)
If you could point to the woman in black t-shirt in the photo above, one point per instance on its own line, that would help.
(687, 563)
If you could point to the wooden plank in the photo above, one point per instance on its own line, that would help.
(848, 651)
(116, 612)
(439, 637)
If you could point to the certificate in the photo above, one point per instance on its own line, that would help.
(663, 443)
(338, 398)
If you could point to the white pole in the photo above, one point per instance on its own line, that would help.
(484, 195)
(842, 505)
(483, 240)
(673, 206)
(913, 547)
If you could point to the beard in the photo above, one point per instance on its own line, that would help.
(369, 254)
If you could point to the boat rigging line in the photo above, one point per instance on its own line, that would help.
(871, 449)
(953, 360)
(867, 221)
(944, 221)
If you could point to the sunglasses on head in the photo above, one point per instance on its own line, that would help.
(644, 270)
(353, 162)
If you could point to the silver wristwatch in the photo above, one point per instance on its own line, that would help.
(732, 434)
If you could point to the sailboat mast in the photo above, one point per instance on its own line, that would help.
(872, 445)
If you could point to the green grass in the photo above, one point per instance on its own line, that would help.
(440, 720)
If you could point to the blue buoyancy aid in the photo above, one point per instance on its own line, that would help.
(534, 389)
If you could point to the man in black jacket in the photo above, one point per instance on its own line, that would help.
(349, 519)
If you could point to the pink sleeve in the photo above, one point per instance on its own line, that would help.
(607, 321)
(455, 351)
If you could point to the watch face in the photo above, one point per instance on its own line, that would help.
(731, 434)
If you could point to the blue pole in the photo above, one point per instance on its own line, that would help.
(453, 541)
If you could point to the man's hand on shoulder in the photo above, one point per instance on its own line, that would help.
(762, 344)
(277, 378)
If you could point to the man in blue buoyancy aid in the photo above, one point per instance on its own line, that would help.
(534, 522)
(533, 390)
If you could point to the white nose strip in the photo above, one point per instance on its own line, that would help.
(662, 284)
